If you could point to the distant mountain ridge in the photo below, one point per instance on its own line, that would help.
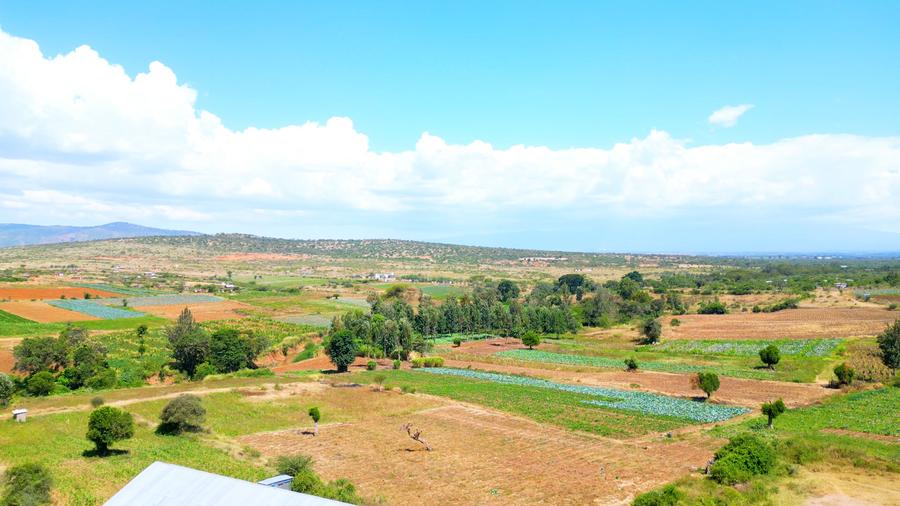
(16, 234)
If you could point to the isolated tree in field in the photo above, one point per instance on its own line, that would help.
(651, 330)
(531, 339)
(631, 364)
(26, 485)
(315, 415)
(770, 355)
(889, 343)
(141, 332)
(508, 290)
(7, 389)
(844, 374)
(189, 343)
(184, 413)
(772, 410)
(708, 382)
(108, 425)
(341, 349)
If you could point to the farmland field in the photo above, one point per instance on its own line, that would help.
(803, 323)
(203, 311)
(43, 312)
(97, 310)
(40, 293)
(790, 347)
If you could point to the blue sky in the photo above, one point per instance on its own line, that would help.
(814, 77)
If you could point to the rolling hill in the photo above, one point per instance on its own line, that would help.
(15, 234)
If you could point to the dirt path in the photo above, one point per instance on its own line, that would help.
(485, 457)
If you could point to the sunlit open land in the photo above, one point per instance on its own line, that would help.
(563, 423)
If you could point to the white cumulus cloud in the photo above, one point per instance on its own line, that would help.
(80, 138)
(729, 115)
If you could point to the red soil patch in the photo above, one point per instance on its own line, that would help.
(485, 457)
(7, 360)
(70, 292)
(42, 312)
(323, 363)
(203, 311)
(803, 323)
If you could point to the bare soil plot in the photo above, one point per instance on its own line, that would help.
(803, 323)
(41, 312)
(71, 292)
(7, 361)
(485, 457)
(202, 311)
(741, 392)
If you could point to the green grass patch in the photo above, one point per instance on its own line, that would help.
(6, 318)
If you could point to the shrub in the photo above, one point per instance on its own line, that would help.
(651, 330)
(105, 378)
(306, 482)
(844, 374)
(316, 416)
(203, 370)
(396, 364)
(184, 413)
(427, 362)
(293, 465)
(631, 364)
(418, 363)
(371, 365)
(379, 378)
(708, 382)
(457, 341)
(889, 343)
(108, 425)
(7, 389)
(675, 322)
(667, 496)
(742, 458)
(772, 410)
(41, 383)
(712, 307)
(96, 402)
(531, 339)
(770, 355)
(27, 485)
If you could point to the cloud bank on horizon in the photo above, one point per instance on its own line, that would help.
(82, 141)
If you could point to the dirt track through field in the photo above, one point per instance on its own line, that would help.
(803, 323)
(486, 457)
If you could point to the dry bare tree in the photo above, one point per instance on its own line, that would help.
(416, 434)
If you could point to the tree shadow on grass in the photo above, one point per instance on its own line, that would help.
(93, 452)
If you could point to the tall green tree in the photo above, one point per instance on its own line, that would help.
(190, 344)
(108, 425)
(889, 344)
(341, 349)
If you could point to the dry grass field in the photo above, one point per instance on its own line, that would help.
(481, 456)
(803, 323)
(204, 311)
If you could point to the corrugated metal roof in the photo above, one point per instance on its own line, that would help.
(170, 485)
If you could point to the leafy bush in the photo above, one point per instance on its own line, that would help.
(293, 465)
(27, 485)
(708, 382)
(770, 355)
(203, 370)
(844, 374)
(96, 402)
(651, 330)
(667, 496)
(631, 364)
(420, 362)
(371, 365)
(341, 348)
(889, 343)
(712, 307)
(457, 341)
(772, 410)
(7, 389)
(396, 364)
(184, 413)
(41, 383)
(108, 425)
(742, 458)
(531, 339)
(675, 322)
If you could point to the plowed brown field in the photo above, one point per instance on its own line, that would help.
(42, 312)
(204, 311)
(803, 323)
(485, 457)
(44, 293)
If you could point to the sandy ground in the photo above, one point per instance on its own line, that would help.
(7, 360)
(743, 392)
(42, 312)
(27, 293)
(202, 311)
(485, 457)
(803, 323)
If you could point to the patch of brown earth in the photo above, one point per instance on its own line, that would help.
(803, 323)
(41, 312)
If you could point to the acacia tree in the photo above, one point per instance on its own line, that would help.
(772, 410)
(708, 382)
(315, 415)
(770, 355)
(341, 349)
(889, 343)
